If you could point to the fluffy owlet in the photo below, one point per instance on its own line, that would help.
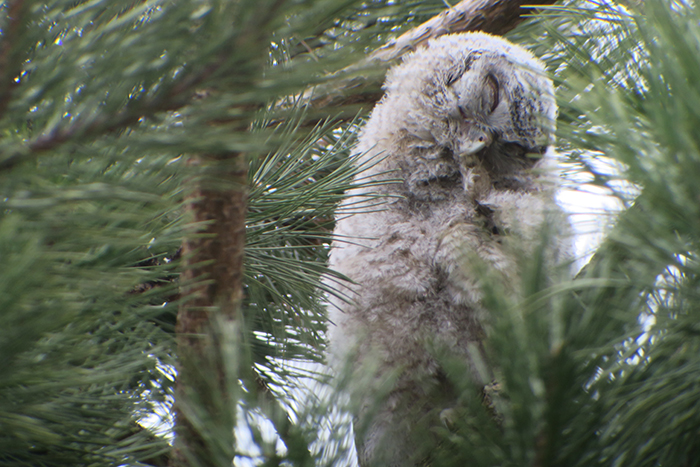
(457, 147)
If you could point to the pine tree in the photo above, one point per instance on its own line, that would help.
(119, 118)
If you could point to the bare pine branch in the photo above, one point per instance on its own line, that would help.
(359, 84)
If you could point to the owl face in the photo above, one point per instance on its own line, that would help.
(477, 95)
(497, 111)
(503, 100)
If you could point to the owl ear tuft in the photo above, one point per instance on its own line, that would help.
(453, 75)
(458, 68)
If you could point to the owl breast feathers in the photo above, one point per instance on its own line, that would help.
(458, 143)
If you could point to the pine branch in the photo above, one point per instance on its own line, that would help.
(172, 97)
(181, 94)
(492, 16)
(359, 84)
(362, 88)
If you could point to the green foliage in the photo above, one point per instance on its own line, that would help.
(602, 369)
(101, 104)
(80, 343)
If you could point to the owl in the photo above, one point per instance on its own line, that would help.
(454, 159)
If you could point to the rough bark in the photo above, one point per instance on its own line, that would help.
(214, 275)
(211, 282)
(492, 16)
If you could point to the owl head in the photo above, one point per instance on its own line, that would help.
(474, 94)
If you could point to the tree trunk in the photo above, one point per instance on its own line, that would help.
(212, 283)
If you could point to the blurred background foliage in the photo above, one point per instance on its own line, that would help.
(103, 102)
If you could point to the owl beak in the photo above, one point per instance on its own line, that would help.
(471, 146)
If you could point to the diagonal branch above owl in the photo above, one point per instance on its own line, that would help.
(461, 138)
